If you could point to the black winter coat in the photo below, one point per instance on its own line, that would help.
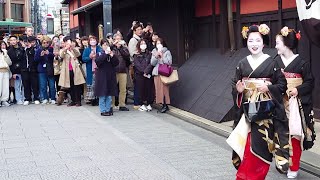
(105, 79)
(17, 56)
(30, 55)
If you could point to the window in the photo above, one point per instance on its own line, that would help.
(17, 12)
(2, 12)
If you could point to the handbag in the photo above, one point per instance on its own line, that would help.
(165, 70)
(174, 77)
(259, 110)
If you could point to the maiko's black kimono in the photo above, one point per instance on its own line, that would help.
(267, 136)
(301, 67)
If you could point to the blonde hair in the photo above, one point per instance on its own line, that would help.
(45, 38)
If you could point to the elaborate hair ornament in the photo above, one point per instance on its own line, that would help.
(263, 29)
(285, 31)
(244, 32)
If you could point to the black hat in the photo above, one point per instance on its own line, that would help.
(32, 38)
(23, 38)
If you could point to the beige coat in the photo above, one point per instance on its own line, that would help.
(4, 56)
(64, 80)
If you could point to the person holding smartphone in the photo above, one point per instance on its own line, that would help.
(71, 76)
(106, 82)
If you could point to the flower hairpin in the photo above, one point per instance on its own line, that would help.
(285, 31)
(298, 35)
(264, 29)
(244, 32)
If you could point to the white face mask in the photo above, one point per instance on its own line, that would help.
(143, 46)
(159, 47)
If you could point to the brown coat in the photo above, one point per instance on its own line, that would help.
(64, 80)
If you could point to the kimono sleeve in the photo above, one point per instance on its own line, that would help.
(308, 82)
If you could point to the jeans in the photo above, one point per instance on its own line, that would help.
(18, 88)
(44, 80)
(105, 103)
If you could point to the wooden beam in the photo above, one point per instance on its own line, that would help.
(279, 14)
(238, 26)
(223, 27)
(214, 25)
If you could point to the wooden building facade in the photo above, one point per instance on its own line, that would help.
(191, 25)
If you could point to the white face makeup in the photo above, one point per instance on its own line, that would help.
(255, 43)
(280, 45)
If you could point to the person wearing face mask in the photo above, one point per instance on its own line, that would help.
(300, 85)
(106, 83)
(143, 79)
(89, 56)
(257, 141)
(161, 55)
(152, 44)
(122, 53)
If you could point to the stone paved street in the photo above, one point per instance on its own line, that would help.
(51, 142)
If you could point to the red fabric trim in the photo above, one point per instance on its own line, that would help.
(292, 75)
(296, 151)
(239, 99)
(252, 167)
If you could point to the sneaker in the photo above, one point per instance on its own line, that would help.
(19, 102)
(292, 174)
(45, 101)
(36, 102)
(116, 107)
(65, 101)
(149, 108)
(53, 102)
(136, 107)
(26, 103)
(5, 103)
(143, 108)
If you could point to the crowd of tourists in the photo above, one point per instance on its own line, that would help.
(62, 70)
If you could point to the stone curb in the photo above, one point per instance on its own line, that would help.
(309, 163)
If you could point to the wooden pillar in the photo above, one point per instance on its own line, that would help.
(238, 26)
(180, 33)
(214, 25)
(26, 11)
(279, 14)
(8, 9)
(223, 26)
